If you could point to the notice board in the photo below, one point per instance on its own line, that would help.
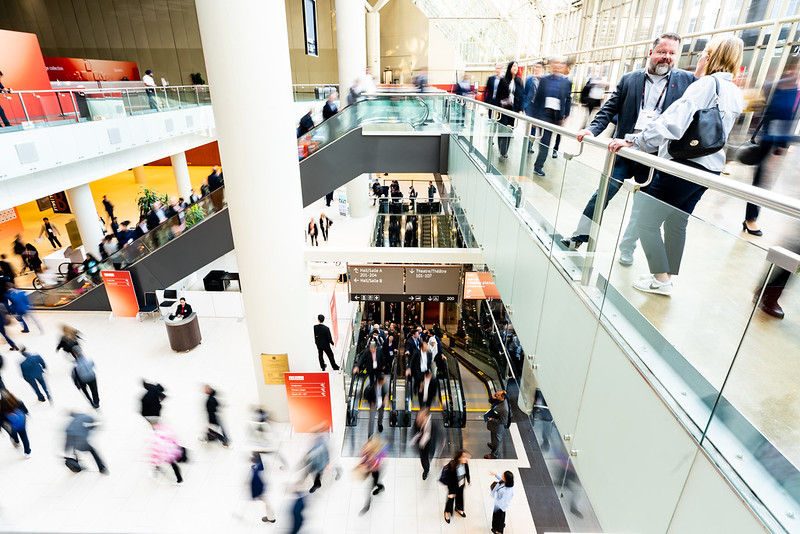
(121, 295)
(309, 401)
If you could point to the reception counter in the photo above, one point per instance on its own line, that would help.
(184, 334)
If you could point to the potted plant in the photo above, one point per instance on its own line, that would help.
(147, 198)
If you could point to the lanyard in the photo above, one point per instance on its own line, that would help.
(663, 90)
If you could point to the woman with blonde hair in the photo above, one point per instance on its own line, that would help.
(670, 200)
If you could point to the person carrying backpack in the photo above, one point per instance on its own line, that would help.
(13, 417)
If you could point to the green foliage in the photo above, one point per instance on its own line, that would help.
(197, 78)
(193, 215)
(147, 198)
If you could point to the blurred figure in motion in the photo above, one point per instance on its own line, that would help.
(215, 431)
(258, 490)
(375, 393)
(496, 421)
(456, 478)
(502, 492)
(13, 418)
(78, 431)
(163, 449)
(299, 495)
(777, 131)
(306, 123)
(85, 378)
(331, 107)
(312, 232)
(18, 304)
(421, 80)
(151, 401)
(32, 367)
(318, 459)
(70, 339)
(3, 333)
(779, 278)
(597, 85)
(425, 439)
(372, 456)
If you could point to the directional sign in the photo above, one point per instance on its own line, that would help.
(376, 279)
(309, 401)
(433, 280)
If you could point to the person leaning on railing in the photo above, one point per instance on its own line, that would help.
(670, 200)
(4, 89)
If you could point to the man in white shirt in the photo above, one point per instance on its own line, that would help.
(150, 85)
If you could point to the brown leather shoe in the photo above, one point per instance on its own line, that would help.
(771, 307)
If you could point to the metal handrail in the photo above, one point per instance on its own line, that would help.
(755, 195)
(106, 90)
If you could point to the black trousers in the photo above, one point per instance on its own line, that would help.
(54, 240)
(458, 499)
(544, 143)
(327, 350)
(3, 117)
(425, 457)
(94, 398)
(498, 520)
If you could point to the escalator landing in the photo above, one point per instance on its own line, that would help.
(472, 438)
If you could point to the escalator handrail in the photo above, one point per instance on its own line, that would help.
(447, 407)
(463, 410)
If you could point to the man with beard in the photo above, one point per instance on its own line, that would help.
(639, 98)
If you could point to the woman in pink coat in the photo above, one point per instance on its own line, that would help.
(163, 449)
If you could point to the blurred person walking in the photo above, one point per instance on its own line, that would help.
(150, 89)
(670, 200)
(331, 106)
(312, 232)
(455, 475)
(318, 459)
(6, 271)
(84, 377)
(306, 123)
(78, 431)
(492, 83)
(376, 394)
(13, 418)
(551, 104)
(502, 492)
(510, 96)
(777, 127)
(324, 341)
(496, 418)
(32, 367)
(325, 224)
(258, 489)
(215, 430)
(70, 339)
(372, 456)
(3, 319)
(163, 449)
(19, 306)
(426, 438)
(109, 207)
(151, 401)
(595, 91)
(531, 86)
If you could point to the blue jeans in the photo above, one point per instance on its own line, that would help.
(623, 169)
(16, 435)
(35, 387)
(3, 332)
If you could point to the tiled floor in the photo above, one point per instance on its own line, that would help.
(40, 494)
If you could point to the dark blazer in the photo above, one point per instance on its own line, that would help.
(489, 89)
(563, 88)
(626, 101)
(531, 85)
(151, 401)
(306, 124)
(322, 336)
(519, 93)
(452, 478)
(433, 392)
(365, 363)
(413, 362)
(185, 310)
(32, 366)
(329, 110)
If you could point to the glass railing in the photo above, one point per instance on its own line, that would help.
(36, 109)
(304, 92)
(406, 112)
(172, 228)
(725, 364)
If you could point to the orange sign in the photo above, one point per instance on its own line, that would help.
(121, 296)
(479, 286)
(309, 401)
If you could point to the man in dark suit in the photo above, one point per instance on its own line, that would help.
(330, 108)
(420, 361)
(428, 390)
(182, 311)
(323, 340)
(306, 123)
(215, 179)
(639, 98)
(551, 103)
(490, 91)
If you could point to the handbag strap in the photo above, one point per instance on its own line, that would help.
(753, 138)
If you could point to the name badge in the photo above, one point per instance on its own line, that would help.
(552, 102)
(646, 116)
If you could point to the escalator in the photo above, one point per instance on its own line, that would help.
(426, 227)
(396, 134)
(170, 252)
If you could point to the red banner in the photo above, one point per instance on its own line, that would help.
(309, 401)
(334, 320)
(479, 286)
(119, 288)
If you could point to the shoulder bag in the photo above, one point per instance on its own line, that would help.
(705, 135)
(751, 152)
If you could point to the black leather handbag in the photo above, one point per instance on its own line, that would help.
(705, 135)
(751, 152)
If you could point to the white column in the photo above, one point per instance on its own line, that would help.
(82, 205)
(181, 171)
(374, 44)
(256, 141)
(357, 191)
(139, 176)
(351, 44)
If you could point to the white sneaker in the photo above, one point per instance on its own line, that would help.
(649, 284)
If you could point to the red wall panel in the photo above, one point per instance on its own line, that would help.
(23, 67)
(70, 69)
